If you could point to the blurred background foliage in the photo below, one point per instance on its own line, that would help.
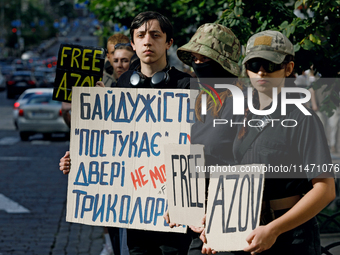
(314, 38)
(311, 25)
(36, 20)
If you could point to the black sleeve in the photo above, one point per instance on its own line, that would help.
(124, 80)
(184, 83)
(181, 79)
(313, 147)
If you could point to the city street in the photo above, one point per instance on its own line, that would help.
(33, 196)
(33, 190)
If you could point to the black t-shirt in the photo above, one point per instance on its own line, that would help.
(140, 239)
(178, 79)
(295, 148)
(218, 140)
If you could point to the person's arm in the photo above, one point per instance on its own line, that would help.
(322, 193)
(65, 162)
(65, 110)
(309, 134)
(263, 237)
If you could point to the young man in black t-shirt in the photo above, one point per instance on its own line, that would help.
(151, 37)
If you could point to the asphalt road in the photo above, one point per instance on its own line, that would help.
(33, 194)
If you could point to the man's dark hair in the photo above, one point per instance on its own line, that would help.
(144, 17)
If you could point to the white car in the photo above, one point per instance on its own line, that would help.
(23, 99)
(41, 114)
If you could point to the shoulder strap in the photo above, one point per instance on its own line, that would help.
(255, 131)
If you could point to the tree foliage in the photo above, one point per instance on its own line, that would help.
(185, 15)
(315, 37)
(30, 29)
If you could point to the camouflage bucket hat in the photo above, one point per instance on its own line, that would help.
(216, 42)
(270, 45)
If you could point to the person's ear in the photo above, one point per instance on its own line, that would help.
(289, 68)
(133, 46)
(169, 43)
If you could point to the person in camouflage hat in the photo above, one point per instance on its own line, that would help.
(213, 51)
(216, 42)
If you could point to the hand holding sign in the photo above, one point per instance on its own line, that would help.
(186, 191)
(118, 176)
(65, 163)
(233, 210)
(261, 239)
(167, 220)
(199, 230)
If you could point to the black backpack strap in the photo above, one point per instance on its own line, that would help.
(254, 132)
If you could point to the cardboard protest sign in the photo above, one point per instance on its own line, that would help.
(118, 172)
(234, 208)
(79, 66)
(185, 189)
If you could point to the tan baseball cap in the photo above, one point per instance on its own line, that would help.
(270, 45)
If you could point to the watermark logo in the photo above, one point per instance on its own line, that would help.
(239, 106)
(204, 97)
(282, 98)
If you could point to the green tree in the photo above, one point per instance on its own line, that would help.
(185, 15)
(316, 40)
(63, 8)
(31, 29)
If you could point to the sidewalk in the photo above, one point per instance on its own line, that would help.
(77, 239)
(327, 239)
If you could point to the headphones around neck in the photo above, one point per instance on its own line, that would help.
(159, 79)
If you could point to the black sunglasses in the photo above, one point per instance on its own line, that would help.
(255, 64)
(122, 44)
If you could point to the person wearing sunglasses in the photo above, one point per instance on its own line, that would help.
(290, 202)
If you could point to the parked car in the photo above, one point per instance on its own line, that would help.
(43, 115)
(41, 79)
(18, 82)
(7, 70)
(19, 64)
(2, 82)
(50, 77)
(23, 98)
(46, 70)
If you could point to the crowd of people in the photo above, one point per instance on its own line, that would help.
(214, 51)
